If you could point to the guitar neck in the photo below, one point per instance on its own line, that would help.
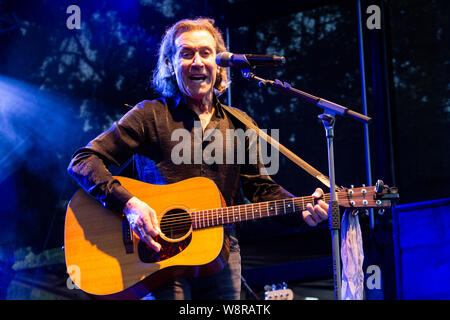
(221, 216)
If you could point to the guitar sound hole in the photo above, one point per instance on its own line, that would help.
(175, 224)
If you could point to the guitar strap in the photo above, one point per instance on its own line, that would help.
(288, 153)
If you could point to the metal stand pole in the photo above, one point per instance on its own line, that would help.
(334, 218)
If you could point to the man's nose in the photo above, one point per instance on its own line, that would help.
(198, 61)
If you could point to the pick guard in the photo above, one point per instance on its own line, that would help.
(168, 249)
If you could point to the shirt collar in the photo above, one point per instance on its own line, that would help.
(178, 103)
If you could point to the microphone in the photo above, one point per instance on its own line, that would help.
(246, 61)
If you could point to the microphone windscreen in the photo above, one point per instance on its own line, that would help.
(223, 59)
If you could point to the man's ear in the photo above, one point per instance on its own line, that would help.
(169, 64)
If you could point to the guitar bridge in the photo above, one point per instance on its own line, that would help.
(127, 235)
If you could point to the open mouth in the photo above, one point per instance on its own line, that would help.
(197, 78)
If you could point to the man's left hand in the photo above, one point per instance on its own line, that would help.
(313, 215)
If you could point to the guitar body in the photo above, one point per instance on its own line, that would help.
(96, 256)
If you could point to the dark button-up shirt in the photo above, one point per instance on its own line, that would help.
(149, 133)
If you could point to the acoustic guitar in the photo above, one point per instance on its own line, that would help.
(107, 260)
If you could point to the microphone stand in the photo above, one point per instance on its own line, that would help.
(331, 109)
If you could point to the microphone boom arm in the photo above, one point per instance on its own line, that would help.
(328, 106)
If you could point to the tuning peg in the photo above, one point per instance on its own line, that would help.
(379, 186)
(393, 190)
(267, 288)
(274, 287)
(284, 285)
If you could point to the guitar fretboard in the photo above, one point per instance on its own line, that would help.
(221, 216)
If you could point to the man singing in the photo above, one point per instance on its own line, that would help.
(189, 82)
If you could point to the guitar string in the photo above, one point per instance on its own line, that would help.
(205, 223)
(265, 203)
(186, 219)
(278, 204)
(206, 217)
(245, 206)
(212, 219)
(274, 203)
(213, 213)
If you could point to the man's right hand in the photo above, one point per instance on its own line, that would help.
(143, 221)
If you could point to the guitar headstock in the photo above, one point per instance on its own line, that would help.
(278, 292)
(378, 196)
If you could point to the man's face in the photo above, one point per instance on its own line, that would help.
(194, 63)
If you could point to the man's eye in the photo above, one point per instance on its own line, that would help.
(186, 55)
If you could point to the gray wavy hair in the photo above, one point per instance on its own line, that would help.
(164, 81)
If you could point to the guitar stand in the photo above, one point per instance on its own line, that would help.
(328, 118)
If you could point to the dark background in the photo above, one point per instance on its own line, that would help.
(59, 88)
